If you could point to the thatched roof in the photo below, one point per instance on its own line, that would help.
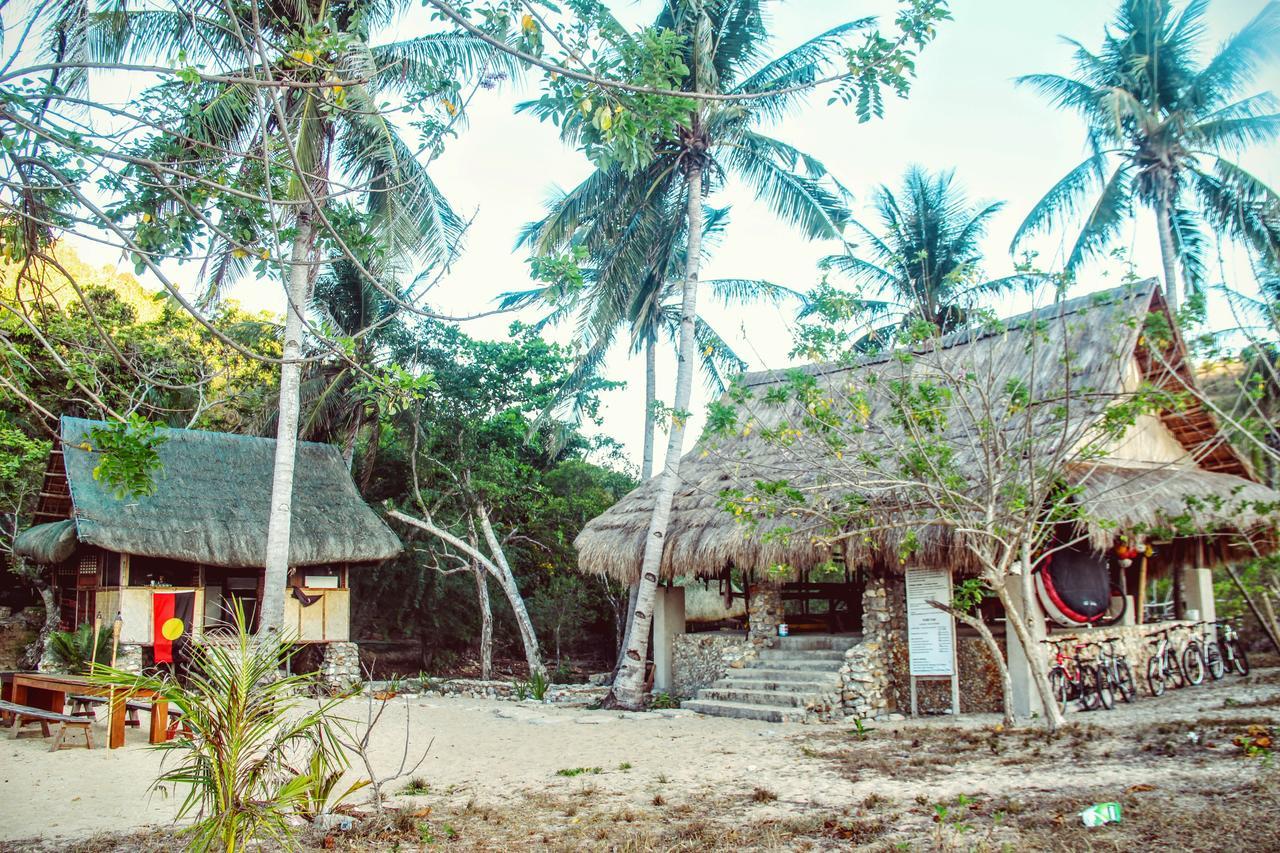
(1101, 334)
(210, 506)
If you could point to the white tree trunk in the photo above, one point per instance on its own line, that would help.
(628, 686)
(507, 580)
(498, 567)
(271, 614)
(646, 471)
(486, 620)
(1030, 633)
(1168, 255)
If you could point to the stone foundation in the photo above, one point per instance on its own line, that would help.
(340, 667)
(476, 688)
(864, 677)
(764, 614)
(699, 659)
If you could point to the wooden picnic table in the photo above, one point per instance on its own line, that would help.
(49, 692)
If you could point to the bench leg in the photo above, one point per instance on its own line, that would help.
(57, 742)
(88, 737)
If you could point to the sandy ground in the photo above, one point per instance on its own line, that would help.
(497, 754)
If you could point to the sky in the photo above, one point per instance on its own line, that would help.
(964, 113)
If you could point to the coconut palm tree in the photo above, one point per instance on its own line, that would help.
(724, 46)
(923, 264)
(642, 303)
(1161, 128)
(342, 158)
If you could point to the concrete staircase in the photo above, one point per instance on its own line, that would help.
(797, 678)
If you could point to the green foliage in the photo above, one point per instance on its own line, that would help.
(534, 687)
(128, 456)
(73, 650)
(663, 701)
(570, 772)
(969, 593)
(260, 751)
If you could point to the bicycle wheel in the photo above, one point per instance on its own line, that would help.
(1155, 676)
(1193, 663)
(1058, 684)
(1172, 670)
(1125, 685)
(1213, 659)
(1238, 658)
(1103, 690)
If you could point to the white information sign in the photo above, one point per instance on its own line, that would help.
(931, 633)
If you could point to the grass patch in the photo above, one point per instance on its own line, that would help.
(570, 772)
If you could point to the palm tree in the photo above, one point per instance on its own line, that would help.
(329, 138)
(923, 263)
(642, 302)
(1161, 126)
(724, 52)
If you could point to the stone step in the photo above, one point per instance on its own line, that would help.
(808, 642)
(797, 664)
(779, 698)
(744, 711)
(770, 673)
(761, 684)
(806, 654)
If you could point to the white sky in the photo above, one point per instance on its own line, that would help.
(964, 112)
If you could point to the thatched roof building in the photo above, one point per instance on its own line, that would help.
(210, 506)
(1171, 465)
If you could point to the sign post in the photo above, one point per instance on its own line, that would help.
(931, 633)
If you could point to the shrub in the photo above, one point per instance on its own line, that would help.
(74, 649)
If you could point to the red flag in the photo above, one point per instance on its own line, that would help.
(171, 614)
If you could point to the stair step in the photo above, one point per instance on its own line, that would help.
(779, 698)
(803, 664)
(770, 673)
(754, 685)
(744, 711)
(807, 642)
(802, 654)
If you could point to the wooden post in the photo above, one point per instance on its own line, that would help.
(114, 707)
(93, 650)
(1140, 616)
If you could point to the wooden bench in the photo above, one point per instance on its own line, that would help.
(23, 714)
(82, 706)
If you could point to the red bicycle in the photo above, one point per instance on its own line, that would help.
(1074, 679)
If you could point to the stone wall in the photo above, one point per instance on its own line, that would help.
(979, 674)
(865, 677)
(17, 632)
(765, 612)
(699, 659)
(476, 688)
(340, 667)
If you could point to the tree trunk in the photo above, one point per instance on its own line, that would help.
(271, 616)
(486, 621)
(993, 648)
(1030, 643)
(497, 567)
(646, 471)
(34, 657)
(1168, 255)
(507, 580)
(628, 687)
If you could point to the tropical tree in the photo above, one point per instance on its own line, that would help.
(640, 302)
(1162, 129)
(923, 265)
(319, 168)
(714, 133)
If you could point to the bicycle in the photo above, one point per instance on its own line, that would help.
(1115, 666)
(1070, 679)
(1233, 655)
(1210, 651)
(1192, 656)
(1162, 666)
